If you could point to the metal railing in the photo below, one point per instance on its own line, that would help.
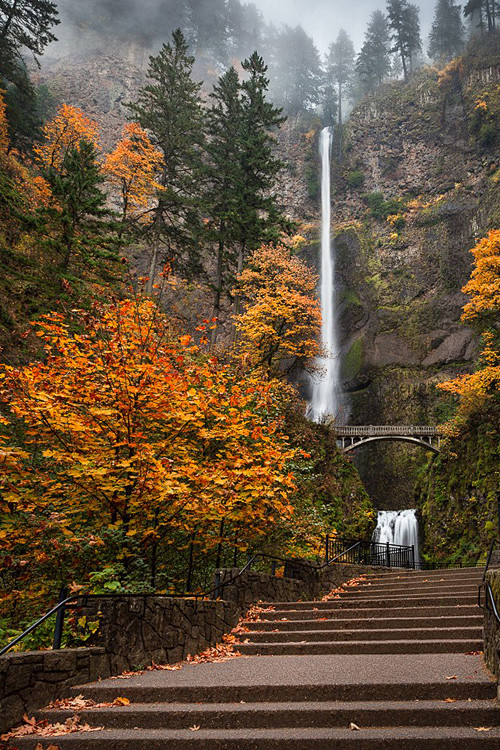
(77, 601)
(377, 430)
(370, 553)
(489, 597)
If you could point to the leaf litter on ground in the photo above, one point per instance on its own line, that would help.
(44, 728)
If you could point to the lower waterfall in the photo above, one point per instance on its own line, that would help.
(397, 527)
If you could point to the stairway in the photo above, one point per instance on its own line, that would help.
(387, 665)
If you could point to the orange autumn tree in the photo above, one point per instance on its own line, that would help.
(132, 168)
(478, 389)
(64, 133)
(134, 441)
(282, 317)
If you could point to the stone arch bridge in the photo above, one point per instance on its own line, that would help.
(350, 438)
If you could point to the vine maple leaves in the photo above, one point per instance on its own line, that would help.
(129, 426)
(482, 310)
(280, 326)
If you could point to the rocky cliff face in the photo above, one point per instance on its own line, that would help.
(417, 187)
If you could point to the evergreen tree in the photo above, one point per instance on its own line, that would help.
(329, 106)
(296, 71)
(485, 11)
(79, 215)
(245, 29)
(446, 39)
(25, 26)
(340, 71)
(260, 218)
(169, 108)
(207, 28)
(374, 60)
(405, 24)
(224, 130)
(242, 173)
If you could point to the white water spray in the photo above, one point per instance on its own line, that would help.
(397, 527)
(326, 386)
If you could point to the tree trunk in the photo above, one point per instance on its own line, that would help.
(152, 268)
(217, 295)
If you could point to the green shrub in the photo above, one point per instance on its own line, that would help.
(355, 179)
(381, 208)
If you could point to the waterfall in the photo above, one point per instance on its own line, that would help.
(326, 385)
(397, 527)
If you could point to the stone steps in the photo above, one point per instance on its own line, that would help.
(376, 612)
(271, 636)
(287, 714)
(367, 600)
(398, 646)
(389, 658)
(402, 738)
(354, 623)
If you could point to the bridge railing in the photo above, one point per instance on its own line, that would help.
(377, 430)
(369, 553)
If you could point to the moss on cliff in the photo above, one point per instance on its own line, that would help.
(458, 492)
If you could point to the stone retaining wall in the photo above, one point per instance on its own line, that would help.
(309, 582)
(32, 679)
(492, 627)
(137, 631)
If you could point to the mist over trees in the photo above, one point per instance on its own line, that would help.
(447, 36)
(221, 33)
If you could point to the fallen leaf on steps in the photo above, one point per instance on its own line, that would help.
(354, 727)
(483, 729)
(453, 677)
(195, 728)
(122, 702)
(450, 700)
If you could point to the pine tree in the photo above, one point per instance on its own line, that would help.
(405, 24)
(207, 28)
(446, 39)
(374, 60)
(296, 70)
(25, 26)
(340, 72)
(260, 218)
(224, 130)
(486, 11)
(169, 108)
(79, 214)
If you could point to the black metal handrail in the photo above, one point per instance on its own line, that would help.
(370, 553)
(489, 596)
(70, 602)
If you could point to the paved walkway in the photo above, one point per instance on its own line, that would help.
(401, 692)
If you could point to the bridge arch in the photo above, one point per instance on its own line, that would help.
(350, 438)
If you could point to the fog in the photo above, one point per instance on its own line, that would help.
(322, 19)
(154, 19)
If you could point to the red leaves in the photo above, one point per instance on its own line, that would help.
(45, 729)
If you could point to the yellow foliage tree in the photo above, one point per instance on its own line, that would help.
(483, 310)
(280, 325)
(133, 167)
(67, 129)
(131, 430)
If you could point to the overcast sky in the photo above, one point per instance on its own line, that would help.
(323, 19)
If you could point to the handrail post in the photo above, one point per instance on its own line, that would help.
(217, 581)
(327, 557)
(388, 555)
(58, 628)
(413, 555)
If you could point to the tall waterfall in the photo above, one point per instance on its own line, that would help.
(397, 527)
(326, 385)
